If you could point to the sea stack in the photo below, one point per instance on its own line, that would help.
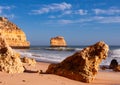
(83, 65)
(14, 36)
(58, 41)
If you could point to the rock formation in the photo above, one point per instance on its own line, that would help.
(83, 65)
(117, 69)
(9, 60)
(58, 42)
(29, 61)
(14, 36)
(113, 64)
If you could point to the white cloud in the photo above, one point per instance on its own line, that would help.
(99, 11)
(110, 20)
(81, 12)
(5, 11)
(61, 6)
(100, 19)
(4, 8)
(65, 21)
(10, 16)
(52, 17)
(110, 11)
(95, 19)
(67, 12)
(41, 11)
(52, 7)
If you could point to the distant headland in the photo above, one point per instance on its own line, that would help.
(14, 36)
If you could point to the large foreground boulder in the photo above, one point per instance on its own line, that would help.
(83, 65)
(9, 60)
(58, 41)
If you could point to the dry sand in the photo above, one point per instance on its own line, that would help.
(32, 78)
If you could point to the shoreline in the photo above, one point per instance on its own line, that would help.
(20, 47)
(33, 78)
(45, 54)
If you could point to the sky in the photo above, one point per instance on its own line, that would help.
(80, 22)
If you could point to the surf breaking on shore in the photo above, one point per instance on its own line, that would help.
(57, 54)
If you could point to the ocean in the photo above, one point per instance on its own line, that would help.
(58, 54)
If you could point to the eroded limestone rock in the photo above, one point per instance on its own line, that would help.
(83, 65)
(29, 61)
(58, 42)
(9, 60)
(14, 36)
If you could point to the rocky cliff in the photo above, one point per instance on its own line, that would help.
(58, 42)
(14, 36)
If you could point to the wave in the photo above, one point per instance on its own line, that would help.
(57, 54)
(114, 53)
(63, 49)
(78, 49)
(47, 56)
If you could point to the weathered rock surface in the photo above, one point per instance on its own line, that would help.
(9, 60)
(117, 68)
(113, 64)
(14, 36)
(83, 65)
(58, 42)
(29, 61)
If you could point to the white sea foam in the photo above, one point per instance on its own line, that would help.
(63, 49)
(46, 56)
(78, 49)
(60, 48)
(114, 53)
(49, 54)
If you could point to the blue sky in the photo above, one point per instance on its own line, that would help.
(81, 22)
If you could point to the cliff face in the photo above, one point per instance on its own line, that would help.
(58, 42)
(14, 36)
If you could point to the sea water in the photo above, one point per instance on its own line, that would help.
(58, 54)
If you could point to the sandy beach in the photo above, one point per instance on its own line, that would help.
(59, 42)
(32, 78)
